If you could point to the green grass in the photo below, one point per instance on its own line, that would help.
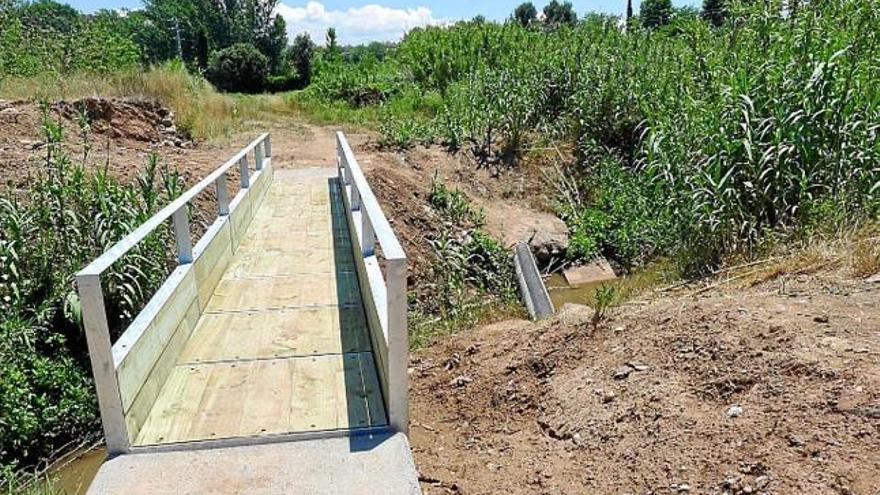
(470, 276)
(30, 485)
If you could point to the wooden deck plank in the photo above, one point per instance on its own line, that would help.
(251, 264)
(278, 333)
(283, 346)
(176, 406)
(266, 408)
(221, 409)
(295, 291)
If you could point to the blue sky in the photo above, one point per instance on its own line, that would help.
(360, 21)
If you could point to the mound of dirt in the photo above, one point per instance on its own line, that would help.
(137, 119)
(121, 133)
(775, 390)
(515, 202)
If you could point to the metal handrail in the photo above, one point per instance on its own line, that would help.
(91, 293)
(386, 292)
(365, 201)
(175, 208)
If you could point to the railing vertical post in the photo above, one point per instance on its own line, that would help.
(244, 174)
(355, 198)
(398, 346)
(258, 156)
(368, 235)
(94, 316)
(181, 233)
(267, 146)
(222, 195)
(339, 166)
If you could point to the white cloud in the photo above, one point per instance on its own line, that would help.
(354, 25)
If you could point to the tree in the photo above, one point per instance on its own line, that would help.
(714, 11)
(526, 14)
(557, 14)
(300, 58)
(240, 67)
(655, 13)
(49, 16)
(629, 12)
(206, 26)
(332, 44)
(273, 44)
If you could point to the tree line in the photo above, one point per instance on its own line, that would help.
(240, 45)
(652, 13)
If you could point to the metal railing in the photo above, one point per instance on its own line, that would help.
(91, 294)
(384, 295)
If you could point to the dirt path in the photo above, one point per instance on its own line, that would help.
(772, 390)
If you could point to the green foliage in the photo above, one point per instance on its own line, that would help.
(45, 36)
(240, 68)
(655, 13)
(205, 26)
(453, 205)
(693, 141)
(470, 272)
(525, 14)
(70, 215)
(367, 83)
(559, 14)
(604, 300)
(620, 217)
(300, 55)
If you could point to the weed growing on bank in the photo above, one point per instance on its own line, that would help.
(72, 212)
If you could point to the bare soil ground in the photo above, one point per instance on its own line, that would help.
(772, 389)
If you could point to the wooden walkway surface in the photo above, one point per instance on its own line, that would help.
(283, 345)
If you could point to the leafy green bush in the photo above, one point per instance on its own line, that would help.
(70, 215)
(280, 83)
(620, 218)
(239, 68)
(470, 273)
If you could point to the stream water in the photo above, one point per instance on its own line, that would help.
(625, 286)
(75, 473)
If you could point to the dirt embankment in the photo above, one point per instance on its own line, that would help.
(773, 390)
(516, 202)
(122, 132)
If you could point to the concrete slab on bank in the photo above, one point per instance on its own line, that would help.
(357, 465)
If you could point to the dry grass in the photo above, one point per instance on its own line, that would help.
(854, 253)
(200, 110)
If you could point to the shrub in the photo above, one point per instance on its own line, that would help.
(279, 83)
(70, 216)
(239, 68)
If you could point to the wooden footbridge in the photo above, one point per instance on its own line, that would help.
(274, 356)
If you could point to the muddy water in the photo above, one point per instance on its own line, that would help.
(627, 286)
(75, 473)
(562, 293)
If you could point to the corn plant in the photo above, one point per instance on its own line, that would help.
(741, 132)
